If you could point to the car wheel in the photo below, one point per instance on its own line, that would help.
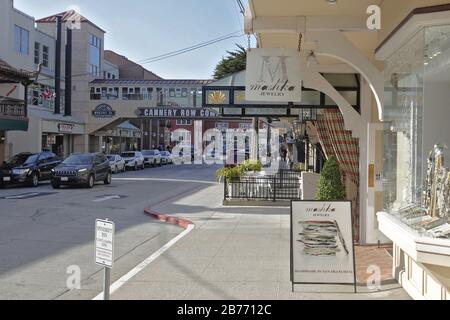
(55, 185)
(34, 180)
(108, 178)
(91, 182)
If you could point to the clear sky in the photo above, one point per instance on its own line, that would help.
(142, 29)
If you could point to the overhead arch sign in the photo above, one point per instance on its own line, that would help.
(180, 112)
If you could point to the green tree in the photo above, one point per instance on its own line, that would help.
(330, 186)
(235, 61)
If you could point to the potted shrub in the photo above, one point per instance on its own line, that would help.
(331, 187)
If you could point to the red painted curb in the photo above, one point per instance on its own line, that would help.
(169, 219)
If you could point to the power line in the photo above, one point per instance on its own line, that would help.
(174, 53)
(237, 13)
(241, 6)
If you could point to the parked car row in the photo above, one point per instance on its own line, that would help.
(78, 169)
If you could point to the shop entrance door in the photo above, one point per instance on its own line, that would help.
(58, 147)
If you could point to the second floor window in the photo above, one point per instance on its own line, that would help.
(45, 56)
(21, 39)
(37, 53)
(184, 122)
(95, 46)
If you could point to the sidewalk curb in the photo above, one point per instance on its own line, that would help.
(169, 219)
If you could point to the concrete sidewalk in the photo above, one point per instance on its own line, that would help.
(234, 253)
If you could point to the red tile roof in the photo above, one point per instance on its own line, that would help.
(69, 15)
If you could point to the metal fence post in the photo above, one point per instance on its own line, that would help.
(274, 188)
(225, 195)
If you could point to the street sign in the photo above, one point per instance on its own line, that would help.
(104, 243)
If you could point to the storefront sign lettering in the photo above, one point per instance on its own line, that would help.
(103, 111)
(273, 75)
(190, 113)
(65, 127)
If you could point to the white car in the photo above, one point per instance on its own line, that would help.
(117, 163)
(133, 160)
(152, 157)
(166, 157)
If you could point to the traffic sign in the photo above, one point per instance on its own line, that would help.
(104, 243)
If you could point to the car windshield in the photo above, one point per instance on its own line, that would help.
(76, 160)
(148, 153)
(23, 159)
(111, 158)
(127, 155)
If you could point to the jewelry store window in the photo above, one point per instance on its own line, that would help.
(416, 160)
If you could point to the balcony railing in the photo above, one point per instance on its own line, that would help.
(12, 109)
(104, 96)
(125, 96)
(136, 96)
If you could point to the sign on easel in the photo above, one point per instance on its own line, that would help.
(322, 249)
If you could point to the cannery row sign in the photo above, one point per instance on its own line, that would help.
(189, 113)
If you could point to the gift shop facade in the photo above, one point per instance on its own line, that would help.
(401, 130)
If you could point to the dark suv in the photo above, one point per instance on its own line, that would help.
(28, 168)
(82, 169)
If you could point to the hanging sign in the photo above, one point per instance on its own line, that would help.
(273, 75)
(322, 248)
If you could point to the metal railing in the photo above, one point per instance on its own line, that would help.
(104, 96)
(285, 185)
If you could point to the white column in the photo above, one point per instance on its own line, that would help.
(198, 142)
(366, 107)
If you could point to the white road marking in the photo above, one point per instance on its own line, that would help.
(165, 180)
(108, 198)
(125, 278)
(21, 196)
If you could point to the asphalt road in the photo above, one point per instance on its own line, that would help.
(43, 231)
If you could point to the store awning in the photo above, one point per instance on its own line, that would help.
(13, 125)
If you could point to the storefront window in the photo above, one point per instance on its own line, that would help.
(416, 162)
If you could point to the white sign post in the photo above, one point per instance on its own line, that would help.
(104, 250)
(273, 75)
(322, 249)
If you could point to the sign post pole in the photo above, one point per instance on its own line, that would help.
(106, 283)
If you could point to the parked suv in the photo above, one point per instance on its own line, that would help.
(152, 157)
(117, 163)
(28, 168)
(166, 157)
(133, 160)
(82, 169)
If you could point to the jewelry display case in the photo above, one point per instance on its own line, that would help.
(416, 163)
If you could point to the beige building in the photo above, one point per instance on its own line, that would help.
(27, 44)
